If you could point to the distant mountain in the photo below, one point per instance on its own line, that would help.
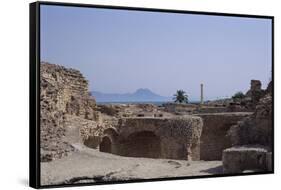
(140, 95)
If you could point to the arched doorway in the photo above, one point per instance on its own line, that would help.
(105, 145)
(142, 144)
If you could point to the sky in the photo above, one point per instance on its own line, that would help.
(120, 51)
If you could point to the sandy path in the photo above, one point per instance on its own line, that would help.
(89, 165)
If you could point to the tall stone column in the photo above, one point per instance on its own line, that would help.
(202, 99)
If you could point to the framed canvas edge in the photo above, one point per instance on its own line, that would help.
(34, 96)
(34, 91)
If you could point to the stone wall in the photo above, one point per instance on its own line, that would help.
(179, 108)
(214, 137)
(132, 110)
(173, 138)
(210, 109)
(62, 92)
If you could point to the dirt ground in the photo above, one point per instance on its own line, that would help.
(89, 165)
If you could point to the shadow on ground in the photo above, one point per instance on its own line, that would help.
(214, 170)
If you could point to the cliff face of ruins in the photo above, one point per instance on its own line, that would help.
(257, 128)
(62, 92)
(252, 139)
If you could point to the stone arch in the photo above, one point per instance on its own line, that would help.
(109, 141)
(110, 132)
(142, 144)
(106, 145)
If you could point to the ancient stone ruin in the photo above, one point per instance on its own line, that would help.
(172, 138)
(63, 92)
(66, 108)
(237, 133)
(252, 137)
(214, 137)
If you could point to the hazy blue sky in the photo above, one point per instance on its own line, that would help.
(120, 51)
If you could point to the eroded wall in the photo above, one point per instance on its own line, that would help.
(214, 138)
(64, 102)
(172, 138)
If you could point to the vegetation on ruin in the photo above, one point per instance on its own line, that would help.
(238, 95)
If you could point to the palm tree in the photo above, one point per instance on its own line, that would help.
(181, 96)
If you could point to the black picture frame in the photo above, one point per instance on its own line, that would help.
(34, 98)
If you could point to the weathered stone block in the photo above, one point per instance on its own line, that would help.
(239, 159)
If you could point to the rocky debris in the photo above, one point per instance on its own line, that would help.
(255, 129)
(219, 103)
(216, 106)
(62, 92)
(147, 107)
(109, 109)
(179, 108)
(132, 110)
(245, 158)
(240, 105)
